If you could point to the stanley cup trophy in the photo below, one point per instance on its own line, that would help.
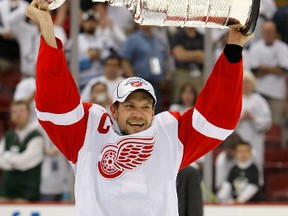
(191, 13)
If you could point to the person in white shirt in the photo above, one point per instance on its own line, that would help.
(110, 34)
(255, 120)
(111, 77)
(126, 23)
(25, 32)
(270, 66)
(89, 50)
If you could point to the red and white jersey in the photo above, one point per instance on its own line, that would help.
(132, 174)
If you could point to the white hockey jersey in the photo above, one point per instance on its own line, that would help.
(134, 174)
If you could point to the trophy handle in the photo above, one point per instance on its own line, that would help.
(249, 29)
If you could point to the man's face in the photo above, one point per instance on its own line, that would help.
(20, 115)
(135, 114)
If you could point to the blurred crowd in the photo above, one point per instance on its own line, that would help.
(111, 47)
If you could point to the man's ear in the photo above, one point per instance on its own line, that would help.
(114, 111)
(153, 114)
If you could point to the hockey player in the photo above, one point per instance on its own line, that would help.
(127, 164)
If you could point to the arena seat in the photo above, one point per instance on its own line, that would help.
(277, 188)
(273, 137)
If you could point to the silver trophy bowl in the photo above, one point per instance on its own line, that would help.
(190, 13)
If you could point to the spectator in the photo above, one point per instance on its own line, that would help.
(53, 166)
(26, 34)
(99, 95)
(9, 47)
(54, 172)
(225, 160)
(242, 184)
(270, 67)
(146, 61)
(267, 10)
(110, 35)
(21, 154)
(111, 77)
(126, 23)
(188, 49)
(189, 192)
(187, 100)
(89, 50)
(255, 120)
(25, 91)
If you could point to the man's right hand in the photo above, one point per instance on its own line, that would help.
(237, 38)
(38, 11)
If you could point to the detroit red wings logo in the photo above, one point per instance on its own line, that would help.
(126, 155)
(136, 84)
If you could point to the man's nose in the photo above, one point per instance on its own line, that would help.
(137, 113)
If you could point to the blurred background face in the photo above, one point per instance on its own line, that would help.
(99, 94)
(112, 68)
(101, 9)
(243, 153)
(269, 32)
(89, 26)
(188, 96)
(20, 115)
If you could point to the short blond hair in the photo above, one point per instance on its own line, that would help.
(248, 75)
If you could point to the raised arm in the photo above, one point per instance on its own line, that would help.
(218, 106)
(58, 105)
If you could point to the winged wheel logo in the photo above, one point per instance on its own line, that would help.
(126, 155)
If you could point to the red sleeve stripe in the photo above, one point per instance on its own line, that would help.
(200, 124)
(68, 118)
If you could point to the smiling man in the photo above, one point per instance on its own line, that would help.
(127, 164)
